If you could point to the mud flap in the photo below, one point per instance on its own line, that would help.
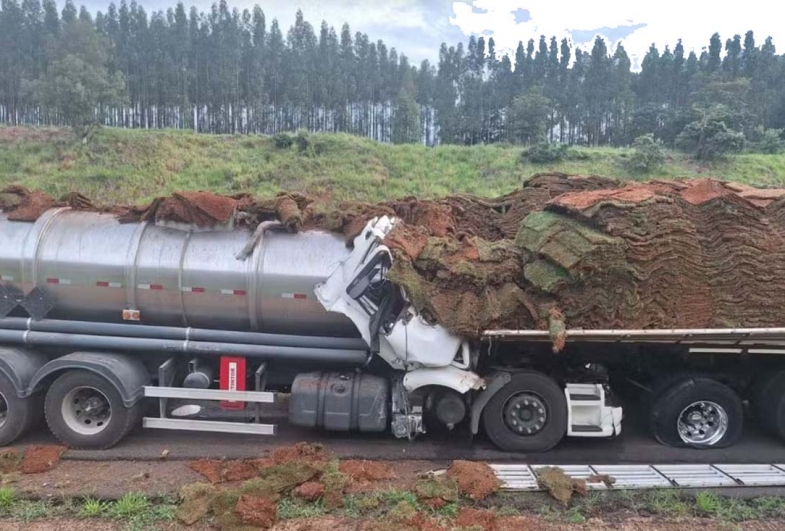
(493, 385)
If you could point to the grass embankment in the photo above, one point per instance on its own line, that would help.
(390, 509)
(133, 166)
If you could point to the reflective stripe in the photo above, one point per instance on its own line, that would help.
(233, 292)
(58, 281)
(192, 290)
(298, 296)
(106, 284)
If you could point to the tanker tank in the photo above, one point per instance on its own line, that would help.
(95, 267)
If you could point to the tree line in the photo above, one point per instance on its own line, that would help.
(230, 71)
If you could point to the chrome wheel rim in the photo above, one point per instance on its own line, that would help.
(525, 414)
(86, 410)
(702, 423)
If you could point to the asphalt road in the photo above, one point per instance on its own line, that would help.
(634, 445)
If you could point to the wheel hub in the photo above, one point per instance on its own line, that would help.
(86, 410)
(525, 414)
(703, 422)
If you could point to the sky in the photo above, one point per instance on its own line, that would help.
(417, 27)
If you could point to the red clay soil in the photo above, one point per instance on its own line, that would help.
(300, 451)
(474, 478)
(41, 458)
(211, 469)
(476, 519)
(309, 491)
(23, 204)
(362, 471)
(216, 471)
(256, 511)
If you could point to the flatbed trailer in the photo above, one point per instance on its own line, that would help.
(695, 387)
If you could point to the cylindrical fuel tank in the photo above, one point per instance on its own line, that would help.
(95, 267)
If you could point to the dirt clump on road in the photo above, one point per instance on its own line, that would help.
(559, 485)
(212, 469)
(362, 471)
(314, 452)
(40, 458)
(475, 479)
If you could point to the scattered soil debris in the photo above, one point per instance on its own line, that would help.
(195, 500)
(211, 469)
(559, 485)
(40, 458)
(362, 471)
(437, 490)
(256, 511)
(334, 482)
(605, 479)
(474, 478)
(23, 204)
(216, 471)
(469, 518)
(309, 491)
(10, 461)
(301, 450)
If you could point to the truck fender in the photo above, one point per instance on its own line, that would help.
(493, 385)
(460, 380)
(127, 374)
(20, 366)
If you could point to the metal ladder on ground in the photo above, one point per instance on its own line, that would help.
(682, 476)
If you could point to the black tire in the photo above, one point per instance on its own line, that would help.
(658, 387)
(768, 403)
(121, 422)
(550, 395)
(21, 413)
(670, 404)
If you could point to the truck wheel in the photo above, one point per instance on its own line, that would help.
(84, 410)
(529, 414)
(17, 415)
(769, 403)
(699, 413)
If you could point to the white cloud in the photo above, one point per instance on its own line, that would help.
(666, 20)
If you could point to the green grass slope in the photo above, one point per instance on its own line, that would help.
(133, 166)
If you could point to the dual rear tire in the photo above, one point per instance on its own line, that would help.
(695, 412)
(84, 410)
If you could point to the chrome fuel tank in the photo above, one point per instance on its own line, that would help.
(95, 267)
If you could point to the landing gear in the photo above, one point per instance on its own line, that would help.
(529, 414)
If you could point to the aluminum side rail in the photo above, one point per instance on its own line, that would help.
(735, 336)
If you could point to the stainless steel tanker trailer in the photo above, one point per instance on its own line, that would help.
(107, 325)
